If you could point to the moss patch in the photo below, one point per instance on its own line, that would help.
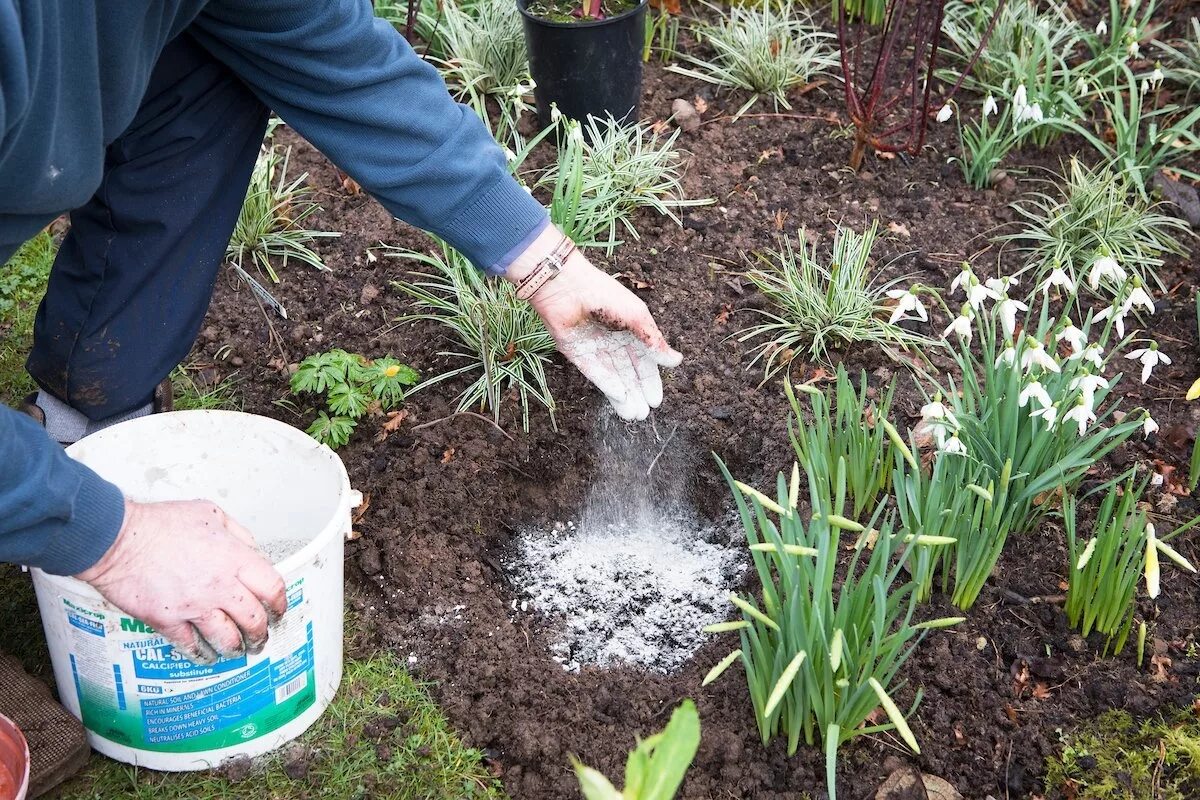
(1115, 758)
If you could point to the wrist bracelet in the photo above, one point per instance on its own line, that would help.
(546, 269)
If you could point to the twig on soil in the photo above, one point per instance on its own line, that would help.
(662, 450)
(507, 435)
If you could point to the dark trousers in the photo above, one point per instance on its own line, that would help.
(133, 278)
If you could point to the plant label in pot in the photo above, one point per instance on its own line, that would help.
(585, 56)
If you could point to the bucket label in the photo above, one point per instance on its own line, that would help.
(136, 690)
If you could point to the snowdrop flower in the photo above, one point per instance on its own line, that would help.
(961, 324)
(963, 279)
(1074, 337)
(1152, 576)
(1138, 297)
(1007, 356)
(1101, 28)
(1020, 98)
(945, 113)
(978, 292)
(1028, 113)
(1034, 391)
(1149, 426)
(1000, 285)
(1087, 384)
(1135, 49)
(1118, 317)
(1060, 279)
(990, 107)
(935, 410)
(1008, 309)
(1105, 266)
(954, 446)
(1081, 88)
(1048, 413)
(1093, 353)
(1035, 355)
(1150, 358)
(1156, 77)
(906, 302)
(1145, 86)
(1082, 413)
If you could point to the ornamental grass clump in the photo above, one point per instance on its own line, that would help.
(1090, 214)
(815, 308)
(1103, 572)
(1182, 59)
(820, 654)
(767, 49)
(847, 433)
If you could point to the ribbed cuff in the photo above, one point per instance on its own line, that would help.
(97, 515)
(493, 228)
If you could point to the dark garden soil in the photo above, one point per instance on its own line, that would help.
(447, 493)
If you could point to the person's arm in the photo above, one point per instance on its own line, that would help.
(352, 86)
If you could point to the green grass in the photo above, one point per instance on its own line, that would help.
(22, 283)
(191, 393)
(1115, 758)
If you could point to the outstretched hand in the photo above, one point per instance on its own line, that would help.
(602, 328)
(193, 574)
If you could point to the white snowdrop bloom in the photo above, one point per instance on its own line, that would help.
(1138, 297)
(1135, 49)
(1000, 285)
(1007, 309)
(977, 293)
(1102, 28)
(1145, 87)
(1007, 356)
(1118, 317)
(1074, 337)
(1035, 355)
(1028, 113)
(1093, 353)
(1156, 77)
(945, 113)
(1048, 413)
(1105, 267)
(989, 106)
(1034, 391)
(1088, 384)
(961, 324)
(963, 279)
(1020, 97)
(906, 303)
(1081, 87)
(1081, 414)
(1058, 277)
(1149, 426)
(1150, 358)
(935, 410)
(954, 446)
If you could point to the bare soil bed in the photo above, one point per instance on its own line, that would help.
(445, 499)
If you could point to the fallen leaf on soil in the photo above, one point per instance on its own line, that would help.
(349, 185)
(278, 364)
(353, 535)
(669, 6)
(659, 127)
(1196, 706)
(698, 102)
(361, 510)
(780, 218)
(1041, 691)
(394, 420)
(723, 317)
(684, 114)
(1169, 484)
(1053, 498)
(1020, 677)
(876, 716)
(1011, 713)
(885, 155)
(1161, 664)
(820, 375)
(447, 455)
(899, 229)
(959, 736)
(938, 788)
(634, 281)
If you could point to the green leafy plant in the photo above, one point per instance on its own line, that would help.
(662, 34)
(479, 47)
(1093, 212)
(655, 768)
(1182, 58)
(1117, 38)
(270, 224)
(350, 386)
(1146, 136)
(821, 654)
(850, 433)
(766, 50)
(815, 308)
(498, 339)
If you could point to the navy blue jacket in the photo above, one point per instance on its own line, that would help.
(72, 75)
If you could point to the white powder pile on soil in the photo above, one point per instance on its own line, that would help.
(639, 575)
(628, 594)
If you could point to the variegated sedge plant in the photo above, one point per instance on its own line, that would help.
(820, 655)
(1034, 420)
(1103, 572)
(847, 432)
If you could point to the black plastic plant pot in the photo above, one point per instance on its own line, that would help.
(592, 67)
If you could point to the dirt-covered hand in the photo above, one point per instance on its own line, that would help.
(193, 574)
(602, 328)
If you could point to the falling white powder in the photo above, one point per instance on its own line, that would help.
(629, 593)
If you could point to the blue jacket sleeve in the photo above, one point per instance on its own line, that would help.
(55, 513)
(352, 86)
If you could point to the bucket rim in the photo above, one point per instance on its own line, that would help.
(317, 542)
(16, 746)
(582, 25)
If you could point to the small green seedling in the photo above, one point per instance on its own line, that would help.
(656, 767)
(351, 385)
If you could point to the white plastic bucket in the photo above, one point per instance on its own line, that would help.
(143, 703)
